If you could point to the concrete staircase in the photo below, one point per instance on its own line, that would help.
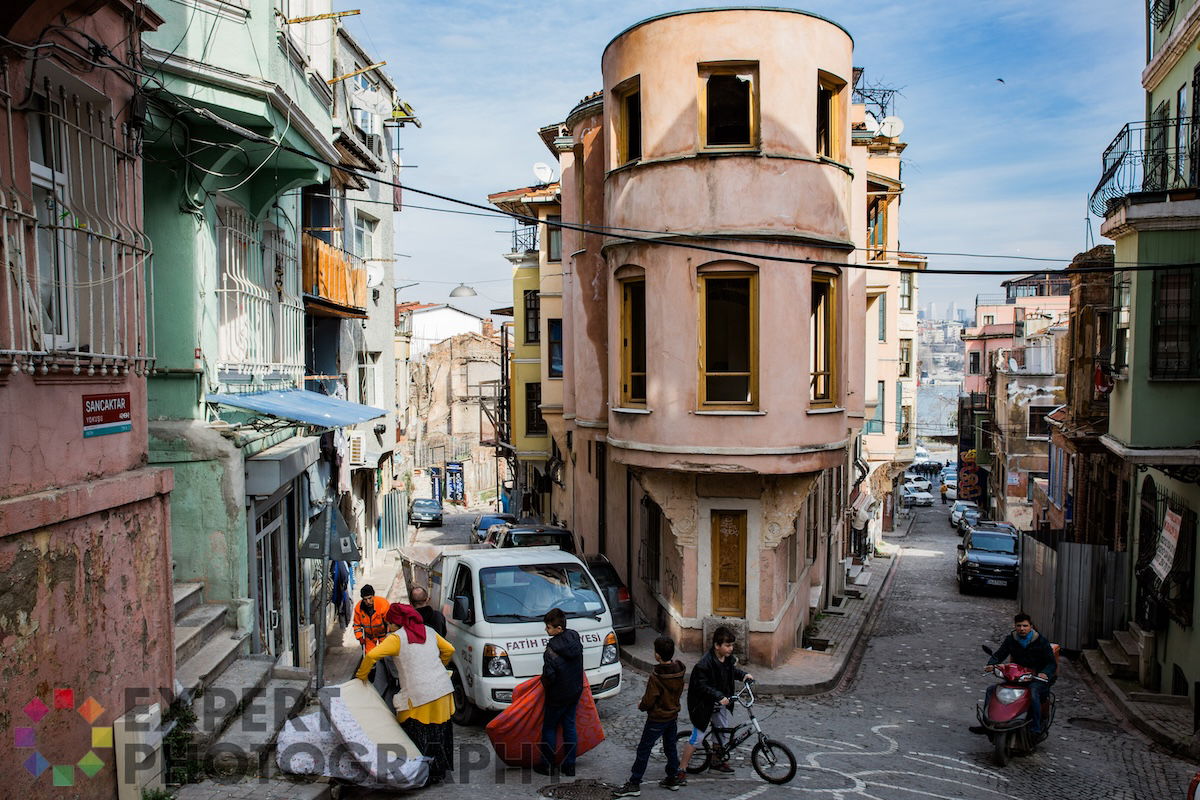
(204, 644)
(240, 701)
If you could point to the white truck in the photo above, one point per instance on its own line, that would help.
(494, 601)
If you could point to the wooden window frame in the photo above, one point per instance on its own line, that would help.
(551, 344)
(553, 238)
(702, 317)
(627, 374)
(707, 69)
(532, 323)
(835, 149)
(907, 279)
(906, 358)
(833, 344)
(535, 423)
(621, 95)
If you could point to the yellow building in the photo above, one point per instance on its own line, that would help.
(536, 358)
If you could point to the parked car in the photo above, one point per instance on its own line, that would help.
(425, 511)
(620, 603)
(919, 481)
(969, 518)
(494, 601)
(988, 557)
(534, 536)
(915, 497)
(957, 509)
(992, 525)
(951, 485)
(485, 521)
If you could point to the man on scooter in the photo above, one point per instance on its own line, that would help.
(1027, 648)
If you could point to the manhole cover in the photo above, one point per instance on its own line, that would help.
(579, 790)
(1097, 725)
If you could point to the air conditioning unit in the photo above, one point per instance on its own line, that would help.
(358, 448)
(374, 143)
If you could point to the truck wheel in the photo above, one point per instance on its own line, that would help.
(465, 712)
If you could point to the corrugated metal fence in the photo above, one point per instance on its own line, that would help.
(394, 523)
(1074, 592)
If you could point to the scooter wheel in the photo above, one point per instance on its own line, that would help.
(1000, 748)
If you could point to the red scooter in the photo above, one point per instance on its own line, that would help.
(1004, 712)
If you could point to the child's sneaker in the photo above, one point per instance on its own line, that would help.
(628, 790)
(672, 783)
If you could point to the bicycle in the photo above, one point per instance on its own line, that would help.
(771, 758)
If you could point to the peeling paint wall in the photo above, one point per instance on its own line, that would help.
(85, 605)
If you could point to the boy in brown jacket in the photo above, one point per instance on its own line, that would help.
(661, 704)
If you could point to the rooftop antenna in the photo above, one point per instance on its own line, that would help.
(1089, 239)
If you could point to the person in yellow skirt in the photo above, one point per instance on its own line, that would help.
(425, 701)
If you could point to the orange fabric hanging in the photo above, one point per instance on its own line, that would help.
(515, 733)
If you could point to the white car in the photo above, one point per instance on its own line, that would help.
(951, 488)
(494, 601)
(956, 510)
(919, 481)
(915, 498)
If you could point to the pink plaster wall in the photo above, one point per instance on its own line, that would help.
(85, 604)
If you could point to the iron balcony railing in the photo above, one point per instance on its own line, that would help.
(1161, 10)
(1150, 156)
(525, 239)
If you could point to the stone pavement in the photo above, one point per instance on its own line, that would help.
(1168, 722)
(253, 789)
(808, 671)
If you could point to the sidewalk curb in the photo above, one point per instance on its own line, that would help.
(1104, 685)
(845, 658)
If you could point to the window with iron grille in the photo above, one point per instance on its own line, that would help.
(80, 290)
(1176, 324)
(533, 316)
(535, 425)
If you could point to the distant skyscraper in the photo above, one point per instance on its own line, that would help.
(963, 315)
(952, 310)
(933, 311)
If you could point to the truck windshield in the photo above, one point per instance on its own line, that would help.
(525, 593)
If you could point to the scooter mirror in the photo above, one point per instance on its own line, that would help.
(986, 649)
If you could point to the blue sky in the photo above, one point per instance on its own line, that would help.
(990, 167)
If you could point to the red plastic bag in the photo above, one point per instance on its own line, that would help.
(515, 733)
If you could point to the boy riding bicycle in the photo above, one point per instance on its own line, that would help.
(712, 684)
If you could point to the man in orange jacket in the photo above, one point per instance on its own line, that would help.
(369, 625)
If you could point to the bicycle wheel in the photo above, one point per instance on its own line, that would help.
(700, 758)
(773, 761)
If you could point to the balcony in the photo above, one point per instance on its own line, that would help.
(1147, 157)
(525, 239)
(335, 282)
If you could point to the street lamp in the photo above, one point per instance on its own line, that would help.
(462, 290)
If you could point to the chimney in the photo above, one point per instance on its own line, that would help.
(489, 328)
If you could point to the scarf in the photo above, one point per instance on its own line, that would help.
(407, 618)
(1025, 640)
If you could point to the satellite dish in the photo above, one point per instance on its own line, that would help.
(543, 172)
(891, 127)
(1013, 366)
(871, 123)
(374, 275)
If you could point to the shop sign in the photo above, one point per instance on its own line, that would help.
(106, 413)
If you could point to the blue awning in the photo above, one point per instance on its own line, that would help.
(301, 405)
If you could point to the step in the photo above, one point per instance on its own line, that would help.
(1130, 644)
(194, 629)
(1160, 699)
(1118, 662)
(260, 790)
(1095, 663)
(863, 578)
(187, 597)
(230, 692)
(207, 663)
(246, 746)
(853, 571)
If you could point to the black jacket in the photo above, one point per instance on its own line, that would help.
(562, 670)
(663, 688)
(434, 619)
(711, 680)
(1037, 656)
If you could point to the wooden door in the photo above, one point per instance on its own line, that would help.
(729, 563)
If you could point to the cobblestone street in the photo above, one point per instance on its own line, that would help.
(898, 729)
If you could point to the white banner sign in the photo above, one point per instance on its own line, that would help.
(1168, 539)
